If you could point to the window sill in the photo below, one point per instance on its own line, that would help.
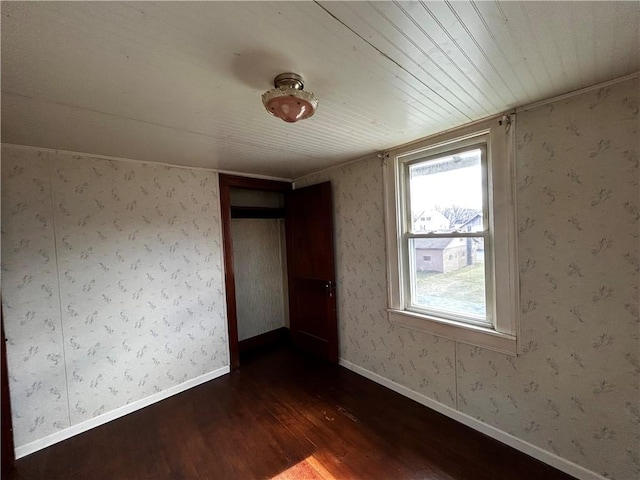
(469, 334)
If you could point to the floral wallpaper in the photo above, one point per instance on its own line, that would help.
(573, 391)
(31, 303)
(112, 284)
(258, 269)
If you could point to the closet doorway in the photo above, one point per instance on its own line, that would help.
(253, 226)
(275, 292)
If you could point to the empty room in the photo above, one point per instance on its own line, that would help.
(320, 240)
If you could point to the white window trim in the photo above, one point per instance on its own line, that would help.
(503, 337)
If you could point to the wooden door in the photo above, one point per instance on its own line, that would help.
(310, 267)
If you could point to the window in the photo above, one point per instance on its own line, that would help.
(465, 180)
(450, 182)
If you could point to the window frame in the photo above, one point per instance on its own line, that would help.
(405, 162)
(502, 334)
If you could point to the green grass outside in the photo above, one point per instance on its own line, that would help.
(460, 290)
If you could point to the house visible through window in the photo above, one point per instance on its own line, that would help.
(451, 183)
(453, 272)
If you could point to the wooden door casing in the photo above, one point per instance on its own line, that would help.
(226, 183)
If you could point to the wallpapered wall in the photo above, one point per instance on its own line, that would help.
(258, 268)
(112, 284)
(574, 389)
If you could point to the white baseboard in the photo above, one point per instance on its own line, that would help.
(493, 432)
(49, 440)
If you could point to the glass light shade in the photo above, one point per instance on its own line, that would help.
(289, 104)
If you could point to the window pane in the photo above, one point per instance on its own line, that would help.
(446, 193)
(452, 279)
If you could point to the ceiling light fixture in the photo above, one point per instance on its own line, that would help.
(288, 100)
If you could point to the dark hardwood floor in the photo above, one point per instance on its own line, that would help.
(288, 416)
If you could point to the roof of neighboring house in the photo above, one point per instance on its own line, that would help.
(433, 243)
(431, 213)
(470, 221)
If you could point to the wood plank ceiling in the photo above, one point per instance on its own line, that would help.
(180, 82)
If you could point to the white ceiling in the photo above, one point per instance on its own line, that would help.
(180, 82)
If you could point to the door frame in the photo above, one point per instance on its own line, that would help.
(226, 183)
